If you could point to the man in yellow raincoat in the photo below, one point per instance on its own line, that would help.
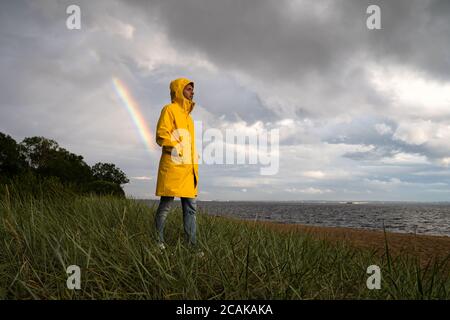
(178, 165)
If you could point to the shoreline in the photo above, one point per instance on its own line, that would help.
(425, 247)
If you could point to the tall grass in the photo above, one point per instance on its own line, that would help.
(112, 240)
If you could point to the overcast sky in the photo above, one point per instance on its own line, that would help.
(362, 114)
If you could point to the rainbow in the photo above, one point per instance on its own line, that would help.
(136, 115)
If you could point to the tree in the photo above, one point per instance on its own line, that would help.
(37, 150)
(38, 159)
(67, 166)
(47, 159)
(11, 160)
(109, 172)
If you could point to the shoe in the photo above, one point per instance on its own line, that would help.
(161, 246)
(199, 254)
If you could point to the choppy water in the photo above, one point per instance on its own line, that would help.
(429, 218)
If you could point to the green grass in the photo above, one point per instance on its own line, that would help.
(112, 240)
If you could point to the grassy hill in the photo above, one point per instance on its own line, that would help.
(111, 239)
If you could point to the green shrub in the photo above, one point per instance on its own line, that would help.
(101, 187)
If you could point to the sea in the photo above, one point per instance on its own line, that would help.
(401, 217)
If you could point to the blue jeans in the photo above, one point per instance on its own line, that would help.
(189, 206)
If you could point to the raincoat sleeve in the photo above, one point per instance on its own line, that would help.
(164, 130)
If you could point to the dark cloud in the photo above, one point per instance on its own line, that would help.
(321, 50)
(286, 40)
(257, 36)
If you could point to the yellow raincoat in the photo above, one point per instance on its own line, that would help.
(175, 133)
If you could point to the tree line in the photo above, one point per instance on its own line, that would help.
(42, 158)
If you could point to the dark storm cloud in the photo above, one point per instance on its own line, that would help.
(285, 40)
(321, 50)
(256, 36)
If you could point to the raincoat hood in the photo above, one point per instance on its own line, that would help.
(176, 94)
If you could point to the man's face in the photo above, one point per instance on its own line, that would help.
(188, 92)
